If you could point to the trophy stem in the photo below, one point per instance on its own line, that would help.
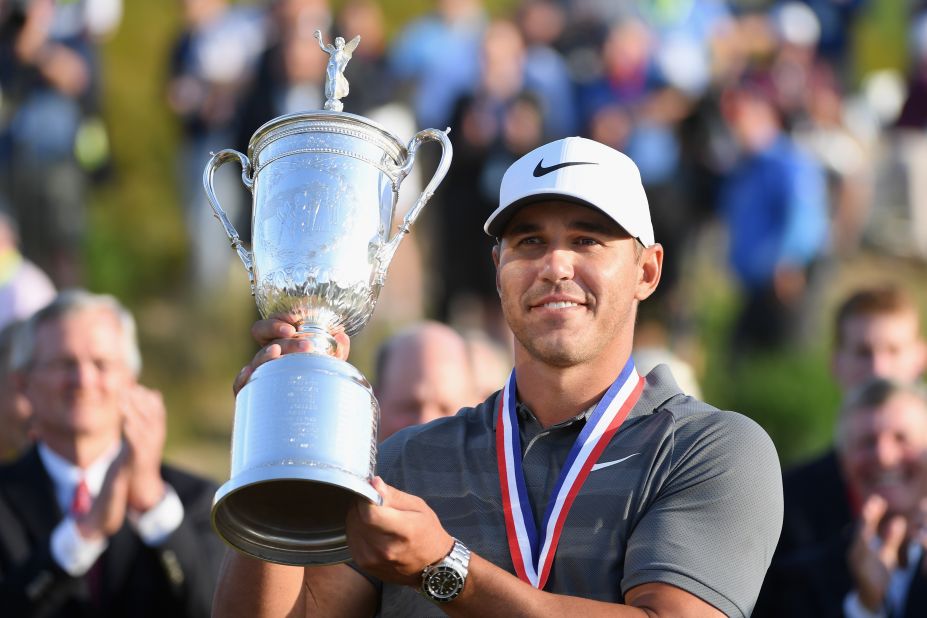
(320, 341)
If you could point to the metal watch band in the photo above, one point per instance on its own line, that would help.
(452, 571)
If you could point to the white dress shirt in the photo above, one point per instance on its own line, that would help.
(71, 551)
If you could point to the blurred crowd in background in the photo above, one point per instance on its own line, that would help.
(749, 117)
(748, 113)
(767, 138)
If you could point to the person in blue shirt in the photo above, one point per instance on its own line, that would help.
(774, 204)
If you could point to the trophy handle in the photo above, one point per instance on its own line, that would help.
(447, 151)
(216, 161)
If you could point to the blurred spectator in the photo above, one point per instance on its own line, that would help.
(546, 73)
(882, 442)
(836, 19)
(95, 21)
(688, 34)
(24, 288)
(211, 62)
(914, 112)
(774, 203)
(652, 347)
(47, 77)
(435, 55)
(15, 412)
(909, 142)
(809, 95)
(795, 64)
(870, 566)
(91, 522)
(497, 122)
(877, 334)
(372, 83)
(845, 157)
(423, 373)
(491, 362)
(291, 71)
(633, 108)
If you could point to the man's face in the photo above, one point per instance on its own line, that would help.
(885, 452)
(569, 279)
(883, 345)
(78, 377)
(423, 381)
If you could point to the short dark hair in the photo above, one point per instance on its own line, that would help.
(879, 300)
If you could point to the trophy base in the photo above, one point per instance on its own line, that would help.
(293, 521)
(303, 451)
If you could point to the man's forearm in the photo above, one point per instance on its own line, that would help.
(492, 591)
(252, 588)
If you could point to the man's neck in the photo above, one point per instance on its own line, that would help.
(81, 451)
(555, 394)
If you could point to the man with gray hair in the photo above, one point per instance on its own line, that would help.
(882, 444)
(877, 334)
(872, 567)
(91, 522)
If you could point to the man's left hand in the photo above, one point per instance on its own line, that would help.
(145, 430)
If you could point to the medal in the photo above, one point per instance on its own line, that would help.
(533, 548)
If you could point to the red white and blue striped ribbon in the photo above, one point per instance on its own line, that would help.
(533, 549)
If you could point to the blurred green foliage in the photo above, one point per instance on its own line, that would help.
(135, 247)
(790, 393)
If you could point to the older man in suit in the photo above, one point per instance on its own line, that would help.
(877, 336)
(91, 522)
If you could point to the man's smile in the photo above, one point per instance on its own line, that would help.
(556, 302)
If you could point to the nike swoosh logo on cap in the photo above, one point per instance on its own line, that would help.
(540, 170)
(606, 464)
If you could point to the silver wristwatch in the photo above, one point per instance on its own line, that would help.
(443, 581)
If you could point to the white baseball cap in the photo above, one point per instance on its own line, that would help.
(576, 169)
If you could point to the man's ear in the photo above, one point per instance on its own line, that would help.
(495, 261)
(651, 269)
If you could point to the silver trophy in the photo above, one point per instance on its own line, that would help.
(325, 186)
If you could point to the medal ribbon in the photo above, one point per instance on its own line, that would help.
(533, 550)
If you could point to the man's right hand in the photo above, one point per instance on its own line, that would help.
(277, 336)
(875, 552)
(106, 515)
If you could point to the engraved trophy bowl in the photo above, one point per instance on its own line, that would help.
(325, 186)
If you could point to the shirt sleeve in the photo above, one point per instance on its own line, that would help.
(71, 551)
(160, 521)
(853, 608)
(714, 520)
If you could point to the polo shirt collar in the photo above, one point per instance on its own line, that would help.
(660, 386)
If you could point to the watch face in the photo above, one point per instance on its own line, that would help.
(443, 583)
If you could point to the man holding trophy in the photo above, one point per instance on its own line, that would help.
(580, 488)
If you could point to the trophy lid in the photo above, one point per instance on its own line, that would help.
(325, 121)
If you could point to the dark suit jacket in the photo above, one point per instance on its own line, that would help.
(809, 575)
(174, 579)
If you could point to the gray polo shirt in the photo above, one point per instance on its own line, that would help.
(684, 494)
